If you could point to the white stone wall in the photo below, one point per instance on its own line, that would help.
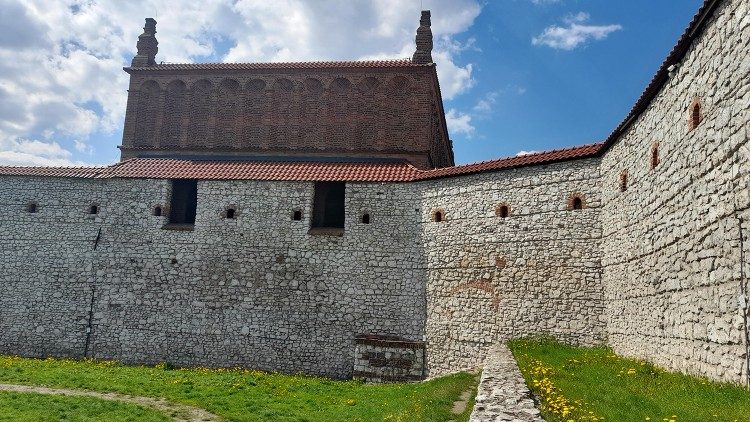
(672, 242)
(655, 270)
(534, 273)
(257, 291)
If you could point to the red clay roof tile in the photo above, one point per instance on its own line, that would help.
(281, 65)
(162, 168)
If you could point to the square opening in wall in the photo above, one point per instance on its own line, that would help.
(184, 202)
(328, 205)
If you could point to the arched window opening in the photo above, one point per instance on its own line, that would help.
(502, 211)
(695, 114)
(157, 212)
(230, 213)
(624, 181)
(654, 156)
(297, 215)
(94, 209)
(31, 208)
(438, 216)
(366, 218)
(576, 201)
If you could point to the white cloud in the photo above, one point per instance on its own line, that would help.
(295, 30)
(574, 34)
(520, 153)
(543, 2)
(485, 104)
(459, 123)
(579, 17)
(61, 77)
(83, 147)
(16, 151)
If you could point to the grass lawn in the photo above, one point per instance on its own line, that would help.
(243, 395)
(22, 407)
(593, 384)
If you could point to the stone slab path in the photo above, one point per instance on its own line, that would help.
(179, 412)
(502, 394)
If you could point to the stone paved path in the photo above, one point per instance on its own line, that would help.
(502, 394)
(179, 412)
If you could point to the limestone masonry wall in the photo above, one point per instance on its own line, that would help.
(536, 272)
(259, 291)
(255, 291)
(653, 263)
(673, 241)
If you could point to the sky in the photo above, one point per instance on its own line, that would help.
(517, 76)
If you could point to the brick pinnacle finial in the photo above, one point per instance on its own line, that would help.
(147, 45)
(423, 54)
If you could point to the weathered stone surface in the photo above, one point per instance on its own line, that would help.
(654, 269)
(502, 394)
(490, 278)
(672, 254)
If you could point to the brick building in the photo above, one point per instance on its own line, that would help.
(367, 110)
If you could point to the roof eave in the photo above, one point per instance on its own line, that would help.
(658, 81)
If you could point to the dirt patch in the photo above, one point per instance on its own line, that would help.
(459, 406)
(178, 412)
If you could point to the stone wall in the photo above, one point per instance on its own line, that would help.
(342, 112)
(260, 291)
(653, 263)
(255, 291)
(536, 272)
(673, 240)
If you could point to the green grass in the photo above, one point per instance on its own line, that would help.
(251, 395)
(20, 407)
(593, 384)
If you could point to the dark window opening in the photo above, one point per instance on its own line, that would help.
(94, 209)
(503, 211)
(654, 156)
(695, 116)
(365, 218)
(577, 203)
(623, 181)
(157, 211)
(437, 216)
(230, 213)
(184, 202)
(297, 215)
(31, 208)
(328, 205)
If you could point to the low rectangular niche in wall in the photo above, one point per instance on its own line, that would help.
(184, 202)
(388, 359)
(328, 205)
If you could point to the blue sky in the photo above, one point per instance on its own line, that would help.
(517, 75)
(549, 98)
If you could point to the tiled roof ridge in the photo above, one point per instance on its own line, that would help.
(215, 169)
(530, 154)
(323, 64)
(513, 161)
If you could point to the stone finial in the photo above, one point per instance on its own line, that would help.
(147, 45)
(423, 54)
